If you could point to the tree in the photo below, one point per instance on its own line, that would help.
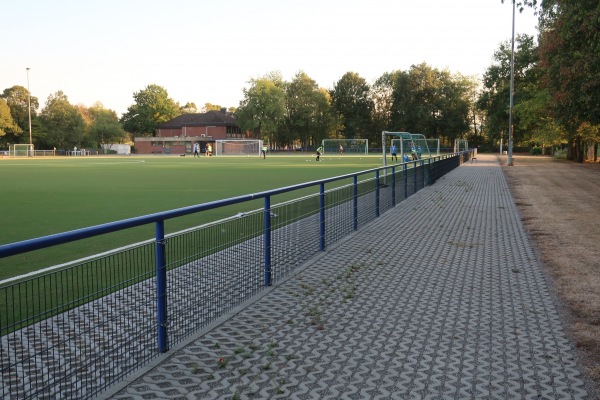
(62, 122)
(17, 99)
(262, 110)
(105, 127)
(382, 94)
(324, 118)
(429, 101)
(351, 100)
(152, 107)
(188, 108)
(495, 97)
(570, 58)
(303, 100)
(211, 107)
(6, 122)
(86, 140)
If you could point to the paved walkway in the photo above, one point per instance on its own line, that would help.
(442, 297)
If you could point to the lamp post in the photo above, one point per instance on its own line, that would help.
(29, 101)
(512, 84)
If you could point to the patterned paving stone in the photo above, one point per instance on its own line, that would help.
(440, 298)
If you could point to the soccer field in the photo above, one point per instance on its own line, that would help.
(46, 196)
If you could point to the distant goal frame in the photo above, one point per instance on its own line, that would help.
(21, 150)
(246, 147)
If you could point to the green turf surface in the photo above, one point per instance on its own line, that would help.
(46, 196)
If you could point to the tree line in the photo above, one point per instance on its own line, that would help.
(556, 100)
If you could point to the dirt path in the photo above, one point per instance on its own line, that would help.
(559, 203)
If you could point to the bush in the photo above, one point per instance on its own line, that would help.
(561, 154)
(535, 151)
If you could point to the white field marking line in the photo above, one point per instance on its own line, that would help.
(113, 251)
(91, 163)
(129, 246)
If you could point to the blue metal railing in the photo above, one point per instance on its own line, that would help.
(75, 331)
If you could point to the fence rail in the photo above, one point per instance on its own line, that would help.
(73, 332)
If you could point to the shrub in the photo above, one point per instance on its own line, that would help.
(561, 154)
(535, 151)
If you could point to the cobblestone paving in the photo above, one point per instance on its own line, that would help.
(441, 298)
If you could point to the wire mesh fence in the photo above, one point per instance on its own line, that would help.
(73, 332)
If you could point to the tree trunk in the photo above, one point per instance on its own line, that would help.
(579, 150)
(571, 149)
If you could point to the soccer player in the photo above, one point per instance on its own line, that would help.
(394, 152)
(263, 151)
(319, 151)
(341, 150)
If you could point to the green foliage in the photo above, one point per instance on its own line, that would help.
(535, 151)
(428, 101)
(305, 103)
(105, 127)
(62, 122)
(263, 108)
(570, 53)
(496, 92)
(6, 121)
(351, 100)
(17, 98)
(152, 107)
(561, 154)
(188, 108)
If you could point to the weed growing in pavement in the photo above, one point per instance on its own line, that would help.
(195, 368)
(222, 362)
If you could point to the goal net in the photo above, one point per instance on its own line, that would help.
(239, 147)
(414, 145)
(349, 146)
(460, 145)
(21, 150)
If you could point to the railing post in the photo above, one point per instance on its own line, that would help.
(377, 193)
(322, 216)
(405, 171)
(267, 240)
(415, 176)
(355, 206)
(393, 186)
(161, 288)
(423, 168)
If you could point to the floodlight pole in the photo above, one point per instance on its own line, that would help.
(512, 84)
(29, 101)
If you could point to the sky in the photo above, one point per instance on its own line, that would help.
(207, 51)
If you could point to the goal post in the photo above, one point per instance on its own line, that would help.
(350, 146)
(239, 147)
(21, 150)
(461, 145)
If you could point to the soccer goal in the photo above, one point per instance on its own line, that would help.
(411, 145)
(461, 145)
(350, 146)
(21, 150)
(240, 147)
